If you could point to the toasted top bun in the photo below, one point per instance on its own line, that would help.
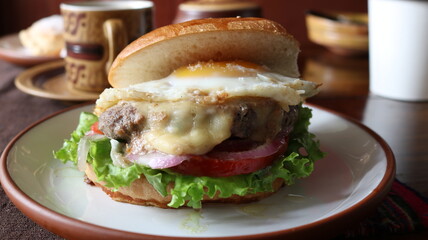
(158, 53)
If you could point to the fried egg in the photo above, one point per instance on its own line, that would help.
(213, 83)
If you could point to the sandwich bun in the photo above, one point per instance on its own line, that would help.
(44, 37)
(158, 53)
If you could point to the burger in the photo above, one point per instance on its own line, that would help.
(199, 112)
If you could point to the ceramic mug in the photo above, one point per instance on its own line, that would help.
(95, 32)
(216, 9)
(398, 30)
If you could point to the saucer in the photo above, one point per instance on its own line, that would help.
(48, 81)
(11, 50)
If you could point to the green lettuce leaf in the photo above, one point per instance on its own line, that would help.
(68, 152)
(189, 190)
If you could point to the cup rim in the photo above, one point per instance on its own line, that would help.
(94, 6)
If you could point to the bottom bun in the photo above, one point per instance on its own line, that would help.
(141, 192)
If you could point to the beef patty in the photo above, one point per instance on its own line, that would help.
(255, 118)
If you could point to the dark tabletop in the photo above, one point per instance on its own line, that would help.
(345, 89)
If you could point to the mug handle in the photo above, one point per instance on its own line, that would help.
(117, 39)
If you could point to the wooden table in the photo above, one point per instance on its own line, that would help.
(345, 89)
(403, 125)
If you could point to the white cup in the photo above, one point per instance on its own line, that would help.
(398, 42)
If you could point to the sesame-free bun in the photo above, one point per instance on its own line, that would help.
(141, 192)
(156, 54)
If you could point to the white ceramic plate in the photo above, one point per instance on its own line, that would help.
(348, 183)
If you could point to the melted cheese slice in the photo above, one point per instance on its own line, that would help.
(181, 127)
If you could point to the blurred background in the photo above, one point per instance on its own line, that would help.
(19, 14)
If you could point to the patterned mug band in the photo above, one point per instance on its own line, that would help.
(85, 51)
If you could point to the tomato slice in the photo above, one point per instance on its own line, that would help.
(95, 129)
(213, 164)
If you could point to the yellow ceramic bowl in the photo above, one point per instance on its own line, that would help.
(342, 33)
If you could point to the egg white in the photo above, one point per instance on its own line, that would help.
(214, 88)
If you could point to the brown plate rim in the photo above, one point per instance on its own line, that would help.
(71, 228)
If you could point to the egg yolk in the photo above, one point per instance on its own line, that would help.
(219, 69)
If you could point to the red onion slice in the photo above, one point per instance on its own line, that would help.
(157, 160)
(82, 153)
(267, 149)
(83, 149)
